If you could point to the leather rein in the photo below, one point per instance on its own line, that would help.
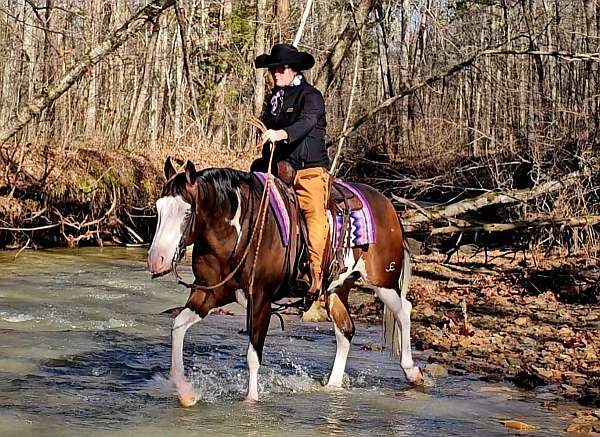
(262, 214)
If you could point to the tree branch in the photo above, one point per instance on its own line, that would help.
(95, 55)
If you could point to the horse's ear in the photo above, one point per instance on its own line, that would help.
(190, 172)
(169, 169)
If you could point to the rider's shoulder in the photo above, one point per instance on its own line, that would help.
(309, 89)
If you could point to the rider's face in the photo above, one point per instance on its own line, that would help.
(282, 76)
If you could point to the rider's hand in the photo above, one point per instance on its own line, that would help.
(274, 135)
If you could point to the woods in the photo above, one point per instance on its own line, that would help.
(451, 100)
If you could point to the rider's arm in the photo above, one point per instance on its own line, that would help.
(313, 108)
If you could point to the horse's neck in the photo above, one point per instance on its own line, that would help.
(219, 226)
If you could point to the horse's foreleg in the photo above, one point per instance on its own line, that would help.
(344, 331)
(182, 322)
(259, 316)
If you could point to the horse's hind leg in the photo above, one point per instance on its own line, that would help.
(396, 302)
(401, 308)
(337, 307)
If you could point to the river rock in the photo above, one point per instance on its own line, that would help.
(584, 423)
(437, 370)
(316, 313)
(518, 425)
(521, 321)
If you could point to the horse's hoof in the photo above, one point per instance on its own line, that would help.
(187, 400)
(415, 376)
(332, 387)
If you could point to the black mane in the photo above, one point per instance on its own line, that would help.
(223, 181)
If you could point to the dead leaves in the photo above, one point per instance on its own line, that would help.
(498, 326)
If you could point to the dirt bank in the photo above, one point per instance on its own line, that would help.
(535, 322)
(88, 194)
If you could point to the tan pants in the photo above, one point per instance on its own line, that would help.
(311, 185)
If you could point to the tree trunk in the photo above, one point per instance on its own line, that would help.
(326, 71)
(49, 68)
(158, 91)
(114, 40)
(281, 12)
(145, 84)
(259, 48)
(91, 108)
(382, 49)
(179, 92)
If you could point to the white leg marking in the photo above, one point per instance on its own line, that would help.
(401, 308)
(341, 355)
(235, 221)
(172, 212)
(241, 298)
(182, 322)
(253, 365)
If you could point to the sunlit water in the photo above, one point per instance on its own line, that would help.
(84, 351)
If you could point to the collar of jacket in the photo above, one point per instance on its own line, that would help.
(298, 80)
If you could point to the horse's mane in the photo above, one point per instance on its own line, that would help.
(224, 182)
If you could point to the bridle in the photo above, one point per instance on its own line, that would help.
(262, 214)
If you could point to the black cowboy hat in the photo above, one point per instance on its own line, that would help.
(285, 54)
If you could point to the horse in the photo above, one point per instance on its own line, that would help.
(218, 210)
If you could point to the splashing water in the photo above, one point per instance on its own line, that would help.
(84, 351)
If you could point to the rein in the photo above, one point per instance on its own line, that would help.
(262, 213)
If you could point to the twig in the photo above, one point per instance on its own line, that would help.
(131, 231)
(22, 248)
(39, 228)
(349, 110)
(300, 30)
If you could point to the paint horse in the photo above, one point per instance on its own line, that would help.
(217, 211)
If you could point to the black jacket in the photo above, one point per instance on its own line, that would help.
(302, 116)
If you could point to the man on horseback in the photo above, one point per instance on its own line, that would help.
(294, 115)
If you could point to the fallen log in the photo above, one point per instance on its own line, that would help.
(591, 220)
(421, 215)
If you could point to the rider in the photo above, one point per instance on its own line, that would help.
(294, 115)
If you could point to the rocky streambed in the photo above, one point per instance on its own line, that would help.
(533, 321)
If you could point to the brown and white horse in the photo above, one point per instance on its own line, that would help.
(217, 211)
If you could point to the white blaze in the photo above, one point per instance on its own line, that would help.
(172, 212)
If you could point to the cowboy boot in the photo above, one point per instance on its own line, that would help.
(316, 281)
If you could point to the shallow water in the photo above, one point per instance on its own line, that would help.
(84, 350)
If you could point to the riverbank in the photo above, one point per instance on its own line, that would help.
(89, 194)
(534, 321)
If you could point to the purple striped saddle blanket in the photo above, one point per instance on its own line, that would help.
(360, 227)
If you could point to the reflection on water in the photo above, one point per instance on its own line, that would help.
(85, 350)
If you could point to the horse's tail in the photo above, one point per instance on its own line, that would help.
(391, 330)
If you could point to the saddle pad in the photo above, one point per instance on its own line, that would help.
(362, 223)
(279, 209)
